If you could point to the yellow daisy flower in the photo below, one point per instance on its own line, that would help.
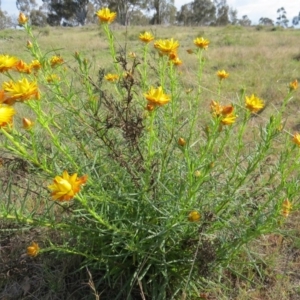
(225, 112)
(6, 115)
(33, 249)
(175, 59)
(35, 65)
(217, 109)
(222, 74)
(7, 62)
(106, 16)
(201, 43)
(254, 104)
(65, 187)
(146, 37)
(22, 67)
(228, 119)
(166, 46)
(56, 60)
(111, 77)
(156, 97)
(293, 85)
(20, 91)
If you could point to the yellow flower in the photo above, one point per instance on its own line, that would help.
(296, 138)
(33, 249)
(176, 61)
(22, 67)
(6, 115)
(194, 216)
(111, 77)
(7, 62)
(225, 112)
(181, 142)
(106, 16)
(228, 119)
(146, 37)
(222, 74)
(27, 123)
(293, 85)
(2, 96)
(156, 97)
(166, 46)
(286, 208)
(201, 43)
(20, 91)
(52, 78)
(22, 19)
(254, 104)
(35, 65)
(56, 60)
(65, 187)
(218, 109)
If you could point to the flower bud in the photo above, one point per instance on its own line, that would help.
(194, 216)
(29, 45)
(181, 142)
(197, 173)
(27, 123)
(22, 19)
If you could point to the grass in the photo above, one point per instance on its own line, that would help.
(261, 62)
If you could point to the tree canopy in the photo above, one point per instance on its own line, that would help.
(194, 13)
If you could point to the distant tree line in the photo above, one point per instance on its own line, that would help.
(138, 12)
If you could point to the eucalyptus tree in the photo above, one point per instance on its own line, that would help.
(72, 11)
(282, 19)
(26, 6)
(161, 9)
(198, 12)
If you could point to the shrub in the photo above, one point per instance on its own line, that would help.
(148, 185)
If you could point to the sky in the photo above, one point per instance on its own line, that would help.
(254, 9)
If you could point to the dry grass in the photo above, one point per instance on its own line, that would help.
(263, 62)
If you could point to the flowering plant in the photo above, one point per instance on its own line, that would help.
(170, 191)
